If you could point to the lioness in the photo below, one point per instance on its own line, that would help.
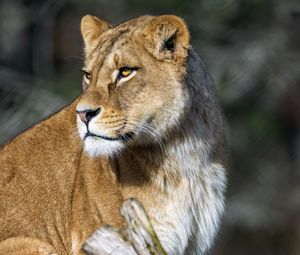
(147, 125)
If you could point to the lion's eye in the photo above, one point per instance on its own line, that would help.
(125, 72)
(87, 76)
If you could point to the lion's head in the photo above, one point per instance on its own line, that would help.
(133, 83)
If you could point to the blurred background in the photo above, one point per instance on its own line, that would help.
(252, 48)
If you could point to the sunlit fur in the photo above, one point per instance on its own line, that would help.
(170, 106)
(141, 103)
(162, 143)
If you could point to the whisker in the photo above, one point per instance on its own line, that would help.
(116, 127)
(148, 130)
(132, 124)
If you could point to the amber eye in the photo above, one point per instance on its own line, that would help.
(125, 72)
(86, 76)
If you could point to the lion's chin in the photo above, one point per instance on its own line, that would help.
(95, 147)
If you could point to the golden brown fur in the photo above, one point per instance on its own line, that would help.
(57, 187)
(38, 173)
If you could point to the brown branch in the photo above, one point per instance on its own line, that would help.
(136, 238)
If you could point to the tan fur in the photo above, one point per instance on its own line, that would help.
(57, 187)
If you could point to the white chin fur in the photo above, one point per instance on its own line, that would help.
(94, 147)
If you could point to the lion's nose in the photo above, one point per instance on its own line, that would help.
(87, 115)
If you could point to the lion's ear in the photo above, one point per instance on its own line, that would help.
(167, 37)
(91, 28)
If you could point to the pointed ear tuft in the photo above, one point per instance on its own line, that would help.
(167, 37)
(91, 28)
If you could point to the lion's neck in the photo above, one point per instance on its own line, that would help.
(165, 164)
(168, 181)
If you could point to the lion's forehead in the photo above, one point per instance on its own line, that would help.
(116, 39)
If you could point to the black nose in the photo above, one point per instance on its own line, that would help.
(87, 115)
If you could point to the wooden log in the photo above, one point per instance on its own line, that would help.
(136, 238)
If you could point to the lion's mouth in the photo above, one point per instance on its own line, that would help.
(122, 137)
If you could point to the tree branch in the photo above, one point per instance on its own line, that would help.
(136, 238)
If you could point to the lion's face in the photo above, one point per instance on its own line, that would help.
(133, 82)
